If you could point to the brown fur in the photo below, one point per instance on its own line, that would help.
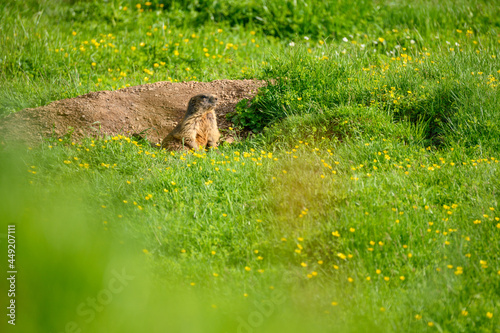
(199, 126)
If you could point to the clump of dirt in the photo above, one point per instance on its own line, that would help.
(156, 107)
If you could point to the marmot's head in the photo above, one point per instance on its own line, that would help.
(201, 103)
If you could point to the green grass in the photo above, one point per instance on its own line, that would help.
(366, 200)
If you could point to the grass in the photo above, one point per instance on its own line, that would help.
(367, 198)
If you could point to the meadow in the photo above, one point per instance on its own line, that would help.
(366, 199)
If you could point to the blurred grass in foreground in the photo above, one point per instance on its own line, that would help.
(363, 234)
(73, 277)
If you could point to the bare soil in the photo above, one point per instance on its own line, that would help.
(156, 108)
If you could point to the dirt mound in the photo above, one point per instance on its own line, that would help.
(157, 107)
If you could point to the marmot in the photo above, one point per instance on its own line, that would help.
(199, 126)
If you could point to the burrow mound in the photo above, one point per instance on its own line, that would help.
(156, 107)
